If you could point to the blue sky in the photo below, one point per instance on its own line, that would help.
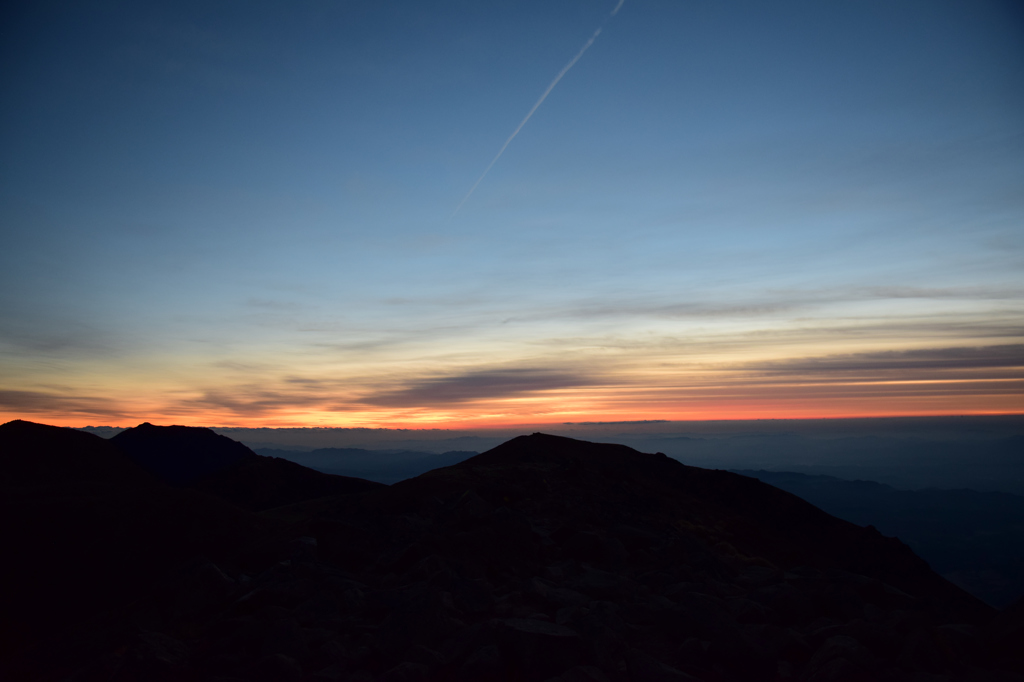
(242, 212)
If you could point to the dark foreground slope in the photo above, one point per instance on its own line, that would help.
(548, 558)
(547, 554)
(87, 531)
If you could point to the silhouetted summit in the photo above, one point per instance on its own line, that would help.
(572, 481)
(552, 558)
(215, 464)
(180, 454)
(38, 454)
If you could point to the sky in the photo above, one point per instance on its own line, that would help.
(283, 214)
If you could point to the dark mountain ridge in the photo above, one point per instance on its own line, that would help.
(36, 454)
(179, 455)
(91, 530)
(203, 460)
(606, 480)
(972, 538)
(545, 558)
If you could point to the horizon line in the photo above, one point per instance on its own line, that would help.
(636, 422)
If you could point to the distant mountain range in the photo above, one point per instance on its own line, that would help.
(383, 466)
(974, 539)
(174, 554)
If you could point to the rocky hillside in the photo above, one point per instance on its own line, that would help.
(543, 559)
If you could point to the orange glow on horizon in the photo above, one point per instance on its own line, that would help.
(455, 422)
(973, 380)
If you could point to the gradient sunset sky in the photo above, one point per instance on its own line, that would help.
(256, 213)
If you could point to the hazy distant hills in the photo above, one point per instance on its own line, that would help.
(974, 539)
(544, 559)
(383, 466)
(960, 458)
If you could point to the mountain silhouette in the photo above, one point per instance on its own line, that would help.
(716, 506)
(180, 454)
(93, 530)
(545, 558)
(85, 529)
(36, 454)
(203, 460)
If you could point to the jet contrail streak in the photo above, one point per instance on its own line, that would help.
(520, 126)
(547, 92)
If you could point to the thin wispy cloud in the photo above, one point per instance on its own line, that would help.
(540, 101)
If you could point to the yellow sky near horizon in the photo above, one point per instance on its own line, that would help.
(713, 370)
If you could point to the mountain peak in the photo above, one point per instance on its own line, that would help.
(180, 454)
(35, 453)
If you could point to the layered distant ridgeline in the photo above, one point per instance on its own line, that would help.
(975, 539)
(171, 553)
(383, 466)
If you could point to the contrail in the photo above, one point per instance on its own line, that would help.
(540, 101)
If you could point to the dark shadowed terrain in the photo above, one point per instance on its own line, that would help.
(545, 558)
(973, 539)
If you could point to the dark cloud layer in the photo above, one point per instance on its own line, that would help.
(479, 385)
(254, 401)
(39, 402)
(933, 359)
